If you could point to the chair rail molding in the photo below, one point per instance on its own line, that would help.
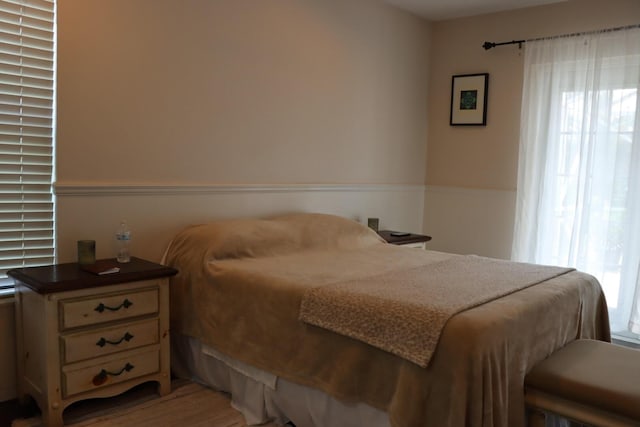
(119, 189)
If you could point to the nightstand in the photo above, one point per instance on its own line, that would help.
(409, 239)
(81, 335)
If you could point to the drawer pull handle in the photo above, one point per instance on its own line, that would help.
(103, 341)
(102, 376)
(101, 307)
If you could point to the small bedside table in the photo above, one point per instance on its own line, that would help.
(81, 335)
(410, 240)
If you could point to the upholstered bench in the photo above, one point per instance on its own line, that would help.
(591, 382)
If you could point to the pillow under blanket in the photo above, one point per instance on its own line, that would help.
(241, 238)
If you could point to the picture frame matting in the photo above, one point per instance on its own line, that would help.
(469, 94)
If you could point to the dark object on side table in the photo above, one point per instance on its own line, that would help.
(395, 238)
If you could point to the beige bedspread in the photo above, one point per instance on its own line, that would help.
(404, 311)
(247, 307)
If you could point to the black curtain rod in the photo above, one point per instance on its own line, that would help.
(490, 45)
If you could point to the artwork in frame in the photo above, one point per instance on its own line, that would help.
(469, 99)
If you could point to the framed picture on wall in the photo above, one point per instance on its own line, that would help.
(469, 99)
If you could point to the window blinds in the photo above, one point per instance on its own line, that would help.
(27, 52)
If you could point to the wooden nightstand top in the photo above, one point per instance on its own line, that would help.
(68, 277)
(403, 240)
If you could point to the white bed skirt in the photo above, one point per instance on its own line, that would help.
(261, 396)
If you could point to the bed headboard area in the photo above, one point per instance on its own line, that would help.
(241, 238)
(155, 214)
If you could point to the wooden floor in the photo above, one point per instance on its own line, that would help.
(188, 405)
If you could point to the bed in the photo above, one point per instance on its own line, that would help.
(314, 319)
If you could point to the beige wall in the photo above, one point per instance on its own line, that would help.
(158, 96)
(487, 157)
(241, 92)
(478, 165)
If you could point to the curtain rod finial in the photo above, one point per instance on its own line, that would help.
(488, 45)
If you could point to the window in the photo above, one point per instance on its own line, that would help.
(578, 201)
(27, 71)
(607, 218)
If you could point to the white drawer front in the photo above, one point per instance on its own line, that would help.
(108, 307)
(101, 342)
(112, 372)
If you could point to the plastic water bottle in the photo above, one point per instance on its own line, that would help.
(123, 242)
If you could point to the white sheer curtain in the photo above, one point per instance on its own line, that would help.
(578, 198)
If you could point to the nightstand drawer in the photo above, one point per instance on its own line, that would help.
(101, 342)
(115, 371)
(108, 307)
